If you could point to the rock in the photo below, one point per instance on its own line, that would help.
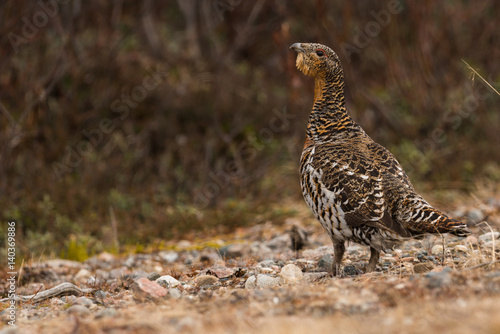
(469, 240)
(153, 276)
(148, 289)
(261, 281)
(475, 215)
(169, 257)
(291, 274)
(251, 282)
(58, 263)
(266, 263)
(220, 271)
(351, 270)
(8, 330)
(234, 251)
(167, 281)
(489, 236)
(491, 244)
(83, 275)
(326, 262)
(279, 242)
(315, 277)
(437, 250)
(106, 313)
(204, 280)
(83, 301)
(79, 310)
(438, 279)
(461, 248)
(423, 267)
(174, 293)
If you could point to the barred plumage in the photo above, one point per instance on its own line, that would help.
(354, 186)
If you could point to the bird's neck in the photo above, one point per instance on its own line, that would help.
(329, 119)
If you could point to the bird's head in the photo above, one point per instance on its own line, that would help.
(317, 60)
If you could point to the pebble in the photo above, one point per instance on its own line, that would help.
(234, 251)
(438, 279)
(315, 277)
(422, 267)
(82, 275)
(475, 215)
(167, 281)
(169, 257)
(266, 263)
(220, 271)
(204, 280)
(153, 276)
(291, 274)
(461, 248)
(326, 262)
(78, 310)
(149, 289)
(261, 281)
(83, 301)
(490, 244)
(106, 313)
(437, 250)
(489, 236)
(174, 293)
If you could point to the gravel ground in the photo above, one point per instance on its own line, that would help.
(252, 281)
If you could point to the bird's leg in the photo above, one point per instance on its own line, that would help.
(339, 249)
(372, 263)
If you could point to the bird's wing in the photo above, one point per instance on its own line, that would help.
(355, 182)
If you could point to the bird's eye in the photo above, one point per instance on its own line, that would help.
(320, 52)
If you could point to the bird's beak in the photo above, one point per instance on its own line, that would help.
(297, 47)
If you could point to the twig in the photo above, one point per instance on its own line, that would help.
(479, 75)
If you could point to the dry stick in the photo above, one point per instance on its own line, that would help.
(114, 229)
(479, 75)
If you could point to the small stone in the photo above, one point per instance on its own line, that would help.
(79, 310)
(204, 280)
(291, 274)
(83, 301)
(167, 281)
(315, 277)
(489, 236)
(83, 274)
(261, 281)
(461, 248)
(234, 251)
(149, 289)
(174, 293)
(220, 271)
(153, 276)
(326, 262)
(266, 263)
(438, 279)
(470, 240)
(423, 267)
(106, 313)
(251, 282)
(351, 270)
(491, 244)
(169, 257)
(437, 250)
(475, 215)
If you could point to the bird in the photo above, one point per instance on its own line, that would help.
(354, 186)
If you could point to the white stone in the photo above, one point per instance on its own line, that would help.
(291, 274)
(261, 281)
(461, 248)
(170, 282)
(489, 236)
(437, 250)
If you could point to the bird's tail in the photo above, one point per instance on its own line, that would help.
(429, 220)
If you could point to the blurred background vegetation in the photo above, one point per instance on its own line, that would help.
(132, 122)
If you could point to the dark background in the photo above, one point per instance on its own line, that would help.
(141, 121)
